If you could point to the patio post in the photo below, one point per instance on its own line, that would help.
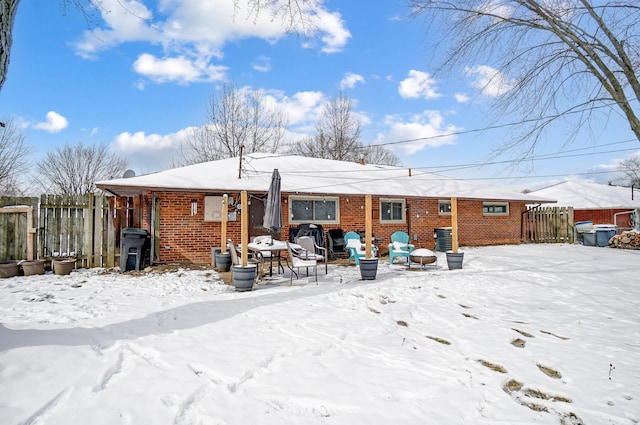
(454, 225)
(244, 221)
(223, 224)
(367, 225)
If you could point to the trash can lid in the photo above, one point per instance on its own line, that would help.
(133, 231)
(605, 227)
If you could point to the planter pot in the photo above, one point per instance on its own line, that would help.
(454, 260)
(223, 261)
(9, 269)
(368, 268)
(243, 277)
(32, 267)
(63, 266)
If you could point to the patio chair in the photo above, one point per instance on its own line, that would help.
(336, 244)
(400, 246)
(254, 257)
(357, 248)
(311, 250)
(298, 261)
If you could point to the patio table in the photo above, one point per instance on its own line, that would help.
(273, 248)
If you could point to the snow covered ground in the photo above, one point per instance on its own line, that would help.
(545, 334)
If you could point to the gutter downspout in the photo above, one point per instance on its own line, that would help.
(615, 218)
(522, 222)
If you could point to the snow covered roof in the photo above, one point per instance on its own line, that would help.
(310, 176)
(586, 195)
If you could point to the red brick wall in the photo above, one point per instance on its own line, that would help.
(188, 238)
(602, 216)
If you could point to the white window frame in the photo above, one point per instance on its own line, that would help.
(400, 201)
(335, 199)
(447, 202)
(486, 205)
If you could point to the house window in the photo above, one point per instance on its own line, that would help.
(313, 210)
(392, 210)
(444, 207)
(495, 208)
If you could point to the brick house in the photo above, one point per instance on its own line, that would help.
(598, 203)
(181, 207)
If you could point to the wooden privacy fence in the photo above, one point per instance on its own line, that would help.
(548, 225)
(84, 227)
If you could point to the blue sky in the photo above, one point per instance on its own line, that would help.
(144, 74)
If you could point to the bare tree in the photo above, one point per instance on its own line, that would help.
(337, 136)
(373, 154)
(547, 60)
(235, 118)
(74, 169)
(13, 156)
(630, 168)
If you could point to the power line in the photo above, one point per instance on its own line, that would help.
(491, 127)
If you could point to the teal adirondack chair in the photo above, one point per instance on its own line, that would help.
(356, 248)
(399, 246)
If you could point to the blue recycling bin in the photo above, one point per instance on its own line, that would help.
(604, 232)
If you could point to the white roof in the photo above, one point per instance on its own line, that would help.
(308, 176)
(586, 195)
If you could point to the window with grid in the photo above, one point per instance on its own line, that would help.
(392, 210)
(313, 210)
(495, 208)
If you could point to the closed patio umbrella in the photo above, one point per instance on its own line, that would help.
(273, 209)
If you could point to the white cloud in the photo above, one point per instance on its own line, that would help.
(350, 80)
(418, 85)
(496, 8)
(303, 107)
(139, 142)
(604, 173)
(489, 81)
(427, 130)
(461, 98)
(192, 33)
(54, 123)
(262, 64)
(125, 21)
(335, 35)
(179, 69)
(150, 152)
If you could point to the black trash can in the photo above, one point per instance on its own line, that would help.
(133, 248)
(443, 239)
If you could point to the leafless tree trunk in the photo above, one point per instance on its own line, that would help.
(8, 10)
(13, 156)
(236, 117)
(563, 60)
(337, 136)
(74, 169)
